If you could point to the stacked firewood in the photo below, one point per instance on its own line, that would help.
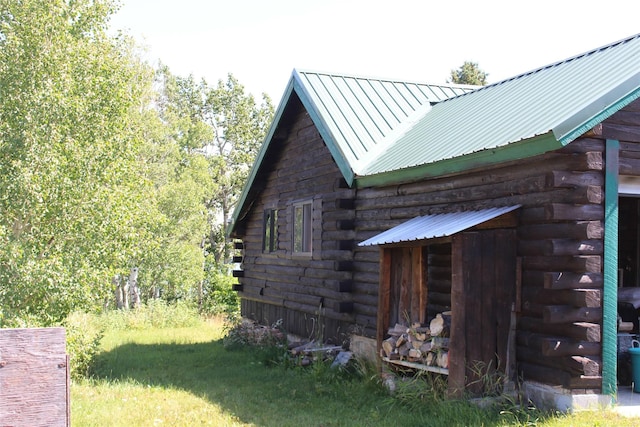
(420, 344)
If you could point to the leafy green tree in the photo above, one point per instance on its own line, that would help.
(172, 265)
(239, 127)
(70, 190)
(469, 73)
(105, 176)
(226, 126)
(177, 165)
(223, 126)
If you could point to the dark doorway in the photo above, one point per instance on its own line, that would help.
(628, 242)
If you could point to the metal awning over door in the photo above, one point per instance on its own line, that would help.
(438, 225)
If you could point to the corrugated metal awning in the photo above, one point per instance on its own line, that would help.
(439, 225)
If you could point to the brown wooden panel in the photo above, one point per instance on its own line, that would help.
(395, 279)
(418, 297)
(482, 294)
(472, 258)
(384, 295)
(426, 285)
(505, 293)
(33, 377)
(489, 307)
(457, 343)
(404, 306)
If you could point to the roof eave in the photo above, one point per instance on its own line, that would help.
(614, 100)
(519, 150)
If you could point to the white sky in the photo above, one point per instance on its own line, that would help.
(261, 41)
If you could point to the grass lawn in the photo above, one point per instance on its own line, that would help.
(185, 377)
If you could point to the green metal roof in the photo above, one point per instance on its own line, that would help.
(544, 109)
(382, 131)
(359, 117)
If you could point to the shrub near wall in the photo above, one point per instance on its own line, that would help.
(219, 296)
(85, 331)
(84, 334)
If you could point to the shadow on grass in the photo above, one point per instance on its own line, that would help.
(238, 383)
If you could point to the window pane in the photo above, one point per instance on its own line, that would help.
(274, 230)
(302, 237)
(270, 237)
(267, 231)
(298, 218)
(307, 228)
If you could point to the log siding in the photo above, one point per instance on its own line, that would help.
(304, 290)
(559, 244)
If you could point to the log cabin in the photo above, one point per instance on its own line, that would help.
(512, 208)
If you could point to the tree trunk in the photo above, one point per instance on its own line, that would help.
(118, 292)
(134, 291)
(203, 245)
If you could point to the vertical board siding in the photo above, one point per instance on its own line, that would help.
(34, 377)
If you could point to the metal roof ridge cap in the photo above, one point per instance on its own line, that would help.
(386, 79)
(550, 65)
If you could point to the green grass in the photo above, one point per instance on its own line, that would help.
(186, 377)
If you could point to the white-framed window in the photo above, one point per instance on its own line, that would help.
(302, 227)
(270, 230)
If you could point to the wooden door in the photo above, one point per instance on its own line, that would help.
(482, 298)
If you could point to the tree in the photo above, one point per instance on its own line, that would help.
(70, 187)
(223, 127)
(239, 127)
(226, 126)
(105, 180)
(469, 73)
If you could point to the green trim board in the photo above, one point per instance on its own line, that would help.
(631, 93)
(610, 293)
(520, 150)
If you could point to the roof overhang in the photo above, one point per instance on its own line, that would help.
(515, 151)
(434, 226)
(598, 110)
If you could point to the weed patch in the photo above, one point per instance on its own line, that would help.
(188, 376)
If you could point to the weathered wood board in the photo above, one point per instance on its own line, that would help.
(34, 377)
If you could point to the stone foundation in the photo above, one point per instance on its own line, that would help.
(558, 398)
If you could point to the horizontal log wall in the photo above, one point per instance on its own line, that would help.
(560, 247)
(315, 295)
(560, 235)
